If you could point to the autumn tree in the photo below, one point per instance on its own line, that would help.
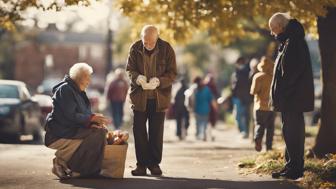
(11, 11)
(326, 138)
(225, 21)
(229, 20)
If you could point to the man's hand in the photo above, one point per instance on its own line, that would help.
(148, 86)
(141, 79)
(155, 82)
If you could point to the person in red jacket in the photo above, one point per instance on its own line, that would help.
(116, 94)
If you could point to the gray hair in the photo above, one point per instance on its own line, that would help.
(149, 29)
(280, 19)
(78, 69)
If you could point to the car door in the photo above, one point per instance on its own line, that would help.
(30, 110)
(25, 109)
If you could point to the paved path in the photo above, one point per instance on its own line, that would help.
(187, 164)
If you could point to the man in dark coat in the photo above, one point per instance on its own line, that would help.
(292, 90)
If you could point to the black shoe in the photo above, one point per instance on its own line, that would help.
(139, 171)
(258, 145)
(155, 170)
(278, 174)
(292, 175)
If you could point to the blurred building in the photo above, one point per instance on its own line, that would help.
(50, 53)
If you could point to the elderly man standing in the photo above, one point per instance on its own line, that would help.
(292, 90)
(151, 66)
(78, 135)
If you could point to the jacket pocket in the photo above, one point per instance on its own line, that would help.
(137, 99)
(161, 68)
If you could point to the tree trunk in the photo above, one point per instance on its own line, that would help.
(326, 139)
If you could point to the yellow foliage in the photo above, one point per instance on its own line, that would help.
(225, 20)
(10, 11)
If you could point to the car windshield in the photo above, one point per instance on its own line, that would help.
(9, 91)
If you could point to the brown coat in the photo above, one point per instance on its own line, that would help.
(165, 71)
(261, 85)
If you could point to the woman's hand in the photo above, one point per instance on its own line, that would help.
(99, 126)
(99, 119)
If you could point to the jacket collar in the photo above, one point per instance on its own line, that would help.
(294, 29)
(72, 83)
(156, 49)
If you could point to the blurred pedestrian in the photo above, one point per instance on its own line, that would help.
(292, 91)
(241, 98)
(151, 67)
(253, 67)
(203, 99)
(263, 115)
(213, 115)
(116, 94)
(253, 70)
(180, 111)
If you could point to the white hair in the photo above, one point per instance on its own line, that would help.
(149, 29)
(280, 19)
(78, 69)
(119, 71)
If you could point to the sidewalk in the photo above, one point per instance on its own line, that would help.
(186, 164)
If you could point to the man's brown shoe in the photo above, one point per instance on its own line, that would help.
(139, 171)
(155, 170)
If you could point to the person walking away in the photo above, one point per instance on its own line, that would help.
(116, 94)
(263, 115)
(240, 86)
(213, 115)
(181, 112)
(202, 102)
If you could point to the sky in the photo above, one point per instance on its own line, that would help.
(92, 18)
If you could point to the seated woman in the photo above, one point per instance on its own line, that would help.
(78, 135)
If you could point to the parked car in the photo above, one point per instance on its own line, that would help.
(46, 86)
(19, 114)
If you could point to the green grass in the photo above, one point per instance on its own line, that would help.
(319, 173)
(311, 131)
(247, 163)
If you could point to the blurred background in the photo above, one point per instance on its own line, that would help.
(48, 37)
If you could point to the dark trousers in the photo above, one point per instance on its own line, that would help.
(148, 146)
(181, 118)
(293, 129)
(264, 120)
(117, 109)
